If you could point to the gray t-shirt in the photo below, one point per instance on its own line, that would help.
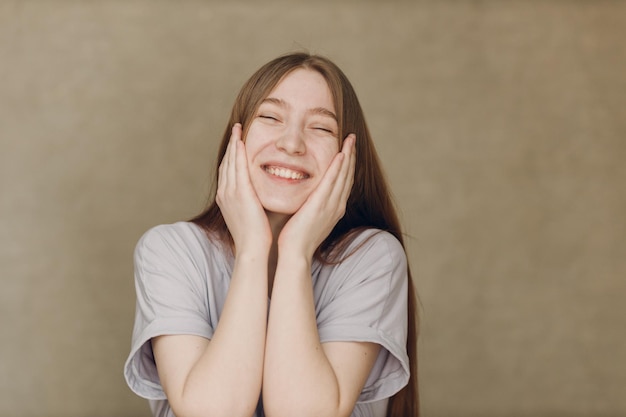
(182, 277)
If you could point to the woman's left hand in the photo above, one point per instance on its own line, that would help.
(326, 205)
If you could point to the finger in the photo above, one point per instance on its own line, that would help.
(351, 167)
(225, 164)
(241, 163)
(348, 151)
(344, 177)
(235, 137)
(223, 169)
(329, 180)
(348, 144)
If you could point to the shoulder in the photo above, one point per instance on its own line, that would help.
(376, 245)
(370, 255)
(175, 240)
(173, 231)
(379, 237)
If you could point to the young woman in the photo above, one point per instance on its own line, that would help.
(290, 295)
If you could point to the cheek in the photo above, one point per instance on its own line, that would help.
(327, 155)
(253, 142)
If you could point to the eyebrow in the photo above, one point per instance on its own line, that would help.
(316, 110)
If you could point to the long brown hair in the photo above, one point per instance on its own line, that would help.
(369, 206)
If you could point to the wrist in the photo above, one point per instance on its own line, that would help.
(294, 258)
(252, 254)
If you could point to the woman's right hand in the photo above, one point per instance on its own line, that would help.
(242, 211)
(197, 373)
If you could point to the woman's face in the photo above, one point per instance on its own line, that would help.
(291, 141)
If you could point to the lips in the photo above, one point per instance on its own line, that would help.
(286, 173)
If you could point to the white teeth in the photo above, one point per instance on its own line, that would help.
(285, 173)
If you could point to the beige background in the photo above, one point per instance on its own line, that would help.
(502, 125)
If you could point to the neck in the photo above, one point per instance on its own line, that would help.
(277, 222)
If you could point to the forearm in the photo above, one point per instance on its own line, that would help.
(298, 378)
(226, 380)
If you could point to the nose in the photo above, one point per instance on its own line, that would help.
(291, 141)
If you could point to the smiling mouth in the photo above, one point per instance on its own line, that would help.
(285, 173)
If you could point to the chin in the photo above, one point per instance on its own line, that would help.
(282, 207)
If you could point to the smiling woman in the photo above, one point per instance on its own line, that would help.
(301, 215)
(291, 143)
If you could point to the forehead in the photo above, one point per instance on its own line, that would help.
(304, 87)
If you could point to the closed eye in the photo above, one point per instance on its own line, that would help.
(324, 130)
(269, 118)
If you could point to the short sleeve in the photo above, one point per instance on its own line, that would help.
(365, 299)
(171, 299)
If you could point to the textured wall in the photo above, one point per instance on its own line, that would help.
(502, 126)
